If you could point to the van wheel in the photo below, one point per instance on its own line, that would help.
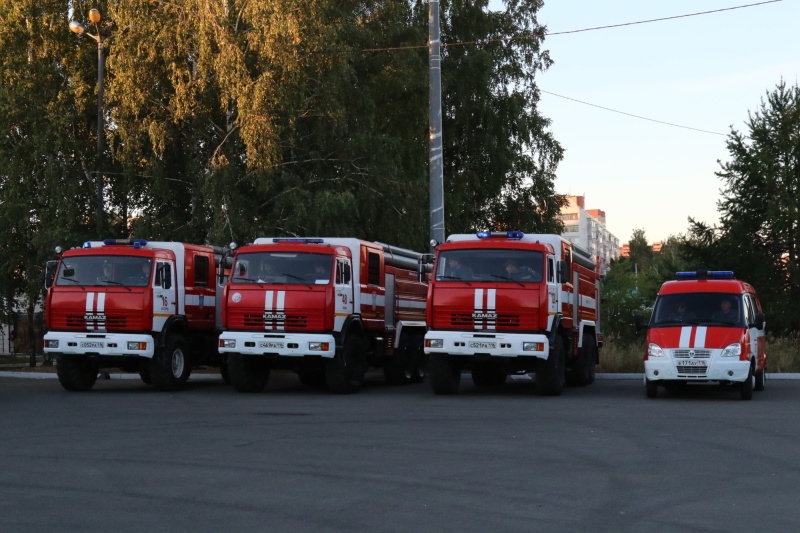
(746, 386)
(650, 388)
(760, 379)
(170, 366)
(76, 373)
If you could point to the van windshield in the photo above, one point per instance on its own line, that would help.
(698, 309)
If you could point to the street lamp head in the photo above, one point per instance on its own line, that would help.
(76, 27)
(94, 15)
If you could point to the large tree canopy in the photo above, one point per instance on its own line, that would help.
(230, 119)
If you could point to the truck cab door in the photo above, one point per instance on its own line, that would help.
(165, 301)
(343, 290)
(553, 288)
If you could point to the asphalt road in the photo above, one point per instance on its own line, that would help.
(603, 458)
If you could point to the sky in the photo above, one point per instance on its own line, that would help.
(704, 72)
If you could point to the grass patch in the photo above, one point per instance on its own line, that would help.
(783, 355)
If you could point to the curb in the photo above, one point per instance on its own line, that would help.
(214, 377)
(53, 375)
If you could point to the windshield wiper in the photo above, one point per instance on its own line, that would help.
(507, 279)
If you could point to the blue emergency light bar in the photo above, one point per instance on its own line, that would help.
(516, 235)
(308, 241)
(705, 274)
(136, 243)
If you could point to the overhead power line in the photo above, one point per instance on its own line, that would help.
(631, 114)
(539, 35)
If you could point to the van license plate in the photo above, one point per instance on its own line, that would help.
(689, 362)
(483, 345)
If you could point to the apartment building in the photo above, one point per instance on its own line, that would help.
(586, 228)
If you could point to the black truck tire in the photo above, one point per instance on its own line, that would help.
(344, 373)
(550, 372)
(76, 373)
(170, 366)
(582, 371)
(444, 373)
(248, 373)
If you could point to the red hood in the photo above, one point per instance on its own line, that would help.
(499, 306)
(277, 308)
(696, 337)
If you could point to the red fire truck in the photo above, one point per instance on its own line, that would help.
(506, 303)
(146, 307)
(326, 308)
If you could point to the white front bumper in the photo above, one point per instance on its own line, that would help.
(110, 344)
(470, 343)
(715, 369)
(285, 345)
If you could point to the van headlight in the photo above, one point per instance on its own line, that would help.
(732, 350)
(654, 350)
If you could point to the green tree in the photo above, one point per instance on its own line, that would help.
(499, 156)
(759, 232)
(46, 192)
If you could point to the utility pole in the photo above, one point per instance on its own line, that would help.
(435, 161)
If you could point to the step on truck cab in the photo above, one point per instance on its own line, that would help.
(134, 305)
(706, 326)
(504, 303)
(327, 308)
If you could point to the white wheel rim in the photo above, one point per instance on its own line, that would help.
(177, 363)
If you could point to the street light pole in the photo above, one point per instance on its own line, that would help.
(76, 27)
(435, 149)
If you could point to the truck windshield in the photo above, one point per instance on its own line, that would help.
(698, 309)
(104, 270)
(289, 268)
(496, 265)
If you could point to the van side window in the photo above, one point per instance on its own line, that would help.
(200, 271)
(749, 311)
(374, 266)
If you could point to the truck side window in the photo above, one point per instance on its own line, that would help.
(200, 271)
(374, 269)
(164, 276)
(551, 267)
(342, 272)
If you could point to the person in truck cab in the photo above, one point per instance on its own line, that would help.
(107, 274)
(517, 273)
(455, 270)
(265, 272)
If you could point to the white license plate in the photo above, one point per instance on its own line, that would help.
(92, 345)
(273, 345)
(483, 345)
(690, 362)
